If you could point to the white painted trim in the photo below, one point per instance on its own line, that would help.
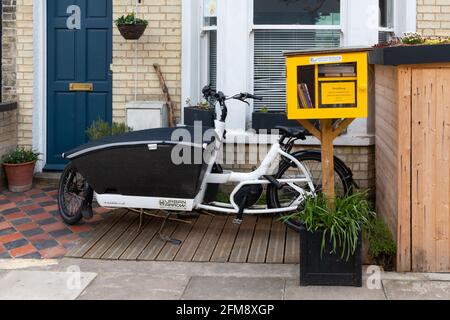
(190, 43)
(382, 29)
(39, 137)
(252, 138)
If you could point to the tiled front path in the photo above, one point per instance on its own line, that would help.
(30, 225)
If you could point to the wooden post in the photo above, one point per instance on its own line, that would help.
(327, 134)
(327, 159)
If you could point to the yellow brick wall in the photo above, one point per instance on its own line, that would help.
(433, 17)
(161, 44)
(24, 70)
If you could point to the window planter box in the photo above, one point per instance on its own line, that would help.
(269, 120)
(412, 54)
(317, 269)
(196, 114)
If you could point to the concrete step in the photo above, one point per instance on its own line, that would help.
(47, 179)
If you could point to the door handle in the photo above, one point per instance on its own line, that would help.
(81, 87)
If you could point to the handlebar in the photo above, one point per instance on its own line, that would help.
(209, 93)
(244, 96)
(212, 97)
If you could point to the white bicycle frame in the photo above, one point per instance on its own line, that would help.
(241, 179)
(251, 178)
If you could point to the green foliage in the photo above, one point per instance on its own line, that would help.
(381, 242)
(203, 105)
(223, 197)
(20, 155)
(341, 225)
(130, 19)
(264, 109)
(100, 129)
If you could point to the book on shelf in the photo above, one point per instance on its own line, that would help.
(304, 98)
(342, 69)
(337, 75)
(332, 75)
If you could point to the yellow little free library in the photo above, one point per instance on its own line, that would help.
(327, 84)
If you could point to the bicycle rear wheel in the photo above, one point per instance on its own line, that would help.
(312, 160)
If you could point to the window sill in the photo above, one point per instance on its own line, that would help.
(250, 137)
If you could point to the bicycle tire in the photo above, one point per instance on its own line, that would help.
(70, 217)
(343, 176)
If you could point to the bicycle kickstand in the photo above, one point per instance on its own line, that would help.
(167, 238)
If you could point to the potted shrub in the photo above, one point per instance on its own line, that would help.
(330, 240)
(19, 167)
(131, 27)
(100, 129)
(202, 112)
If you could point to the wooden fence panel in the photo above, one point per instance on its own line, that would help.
(430, 169)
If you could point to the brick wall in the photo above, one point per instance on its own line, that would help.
(24, 70)
(433, 17)
(361, 160)
(8, 137)
(160, 44)
(9, 50)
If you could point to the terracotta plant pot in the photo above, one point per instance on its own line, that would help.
(132, 31)
(20, 176)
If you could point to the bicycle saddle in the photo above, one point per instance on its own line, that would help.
(292, 132)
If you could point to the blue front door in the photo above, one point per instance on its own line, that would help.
(79, 81)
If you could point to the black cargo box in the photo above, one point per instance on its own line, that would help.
(140, 164)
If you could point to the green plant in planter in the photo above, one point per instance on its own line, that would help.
(341, 225)
(20, 155)
(203, 105)
(412, 38)
(130, 19)
(100, 129)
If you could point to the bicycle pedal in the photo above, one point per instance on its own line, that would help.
(237, 221)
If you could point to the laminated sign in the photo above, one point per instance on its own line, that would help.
(338, 93)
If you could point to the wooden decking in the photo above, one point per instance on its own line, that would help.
(207, 239)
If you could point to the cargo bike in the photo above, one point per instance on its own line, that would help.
(137, 171)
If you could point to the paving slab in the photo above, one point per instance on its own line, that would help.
(293, 291)
(16, 264)
(114, 286)
(229, 288)
(43, 285)
(191, 269)
(417, 290)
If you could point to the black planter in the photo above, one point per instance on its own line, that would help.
(195, 114)
(325, 269)
(269, 120)
(412, 54)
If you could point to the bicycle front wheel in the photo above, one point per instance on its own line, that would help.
(312, 160)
